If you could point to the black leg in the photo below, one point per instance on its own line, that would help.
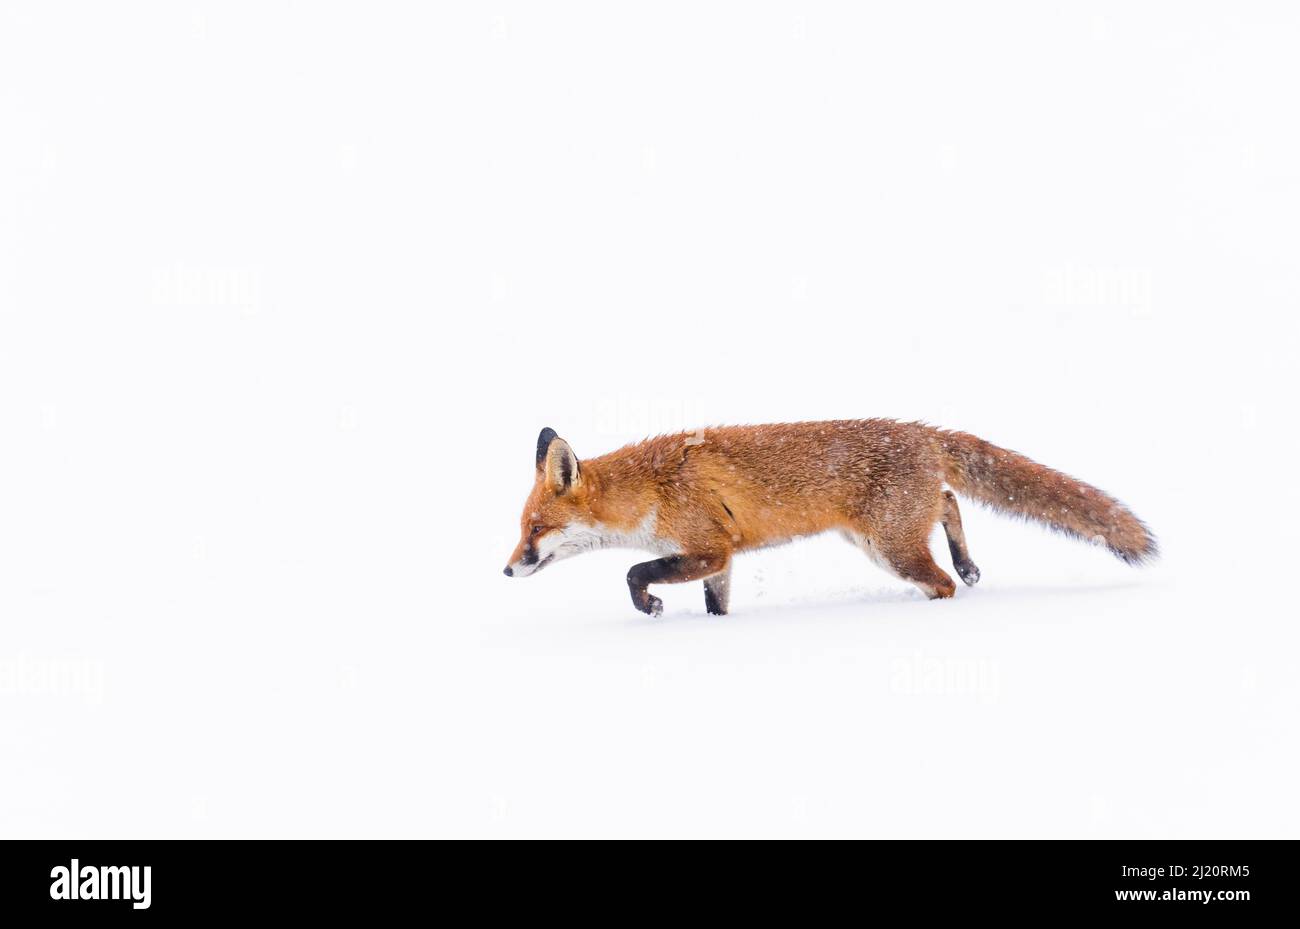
(717, 592)
(674, 569)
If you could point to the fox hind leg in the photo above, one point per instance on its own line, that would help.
(910, 561)
(951, 520)
(916, 564)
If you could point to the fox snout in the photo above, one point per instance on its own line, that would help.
(519, 566)
(526, 565)
(526, 560)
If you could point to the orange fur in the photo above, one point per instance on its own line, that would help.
(709, 494)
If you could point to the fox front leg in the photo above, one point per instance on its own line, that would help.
(717, 592)
(674, 569)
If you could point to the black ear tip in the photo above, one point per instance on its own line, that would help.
(543, 443)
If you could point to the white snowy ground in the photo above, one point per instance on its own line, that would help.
(286, 295)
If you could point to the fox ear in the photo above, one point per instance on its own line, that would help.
(544, 443)
(563, 473)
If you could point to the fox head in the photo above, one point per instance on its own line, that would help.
(556, 519)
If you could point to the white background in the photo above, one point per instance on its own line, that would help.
(288, 289)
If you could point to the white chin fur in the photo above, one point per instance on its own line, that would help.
(577, 538)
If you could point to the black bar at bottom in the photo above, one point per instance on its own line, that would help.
(374, 879)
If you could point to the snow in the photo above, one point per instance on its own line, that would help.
(274, 361)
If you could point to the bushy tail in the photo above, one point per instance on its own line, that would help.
(1011, 483)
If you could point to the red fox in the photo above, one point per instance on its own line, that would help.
(696, 499)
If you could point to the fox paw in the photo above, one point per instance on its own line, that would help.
(968, 573)
(647, 603)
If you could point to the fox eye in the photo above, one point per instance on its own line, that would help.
(536, 530)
